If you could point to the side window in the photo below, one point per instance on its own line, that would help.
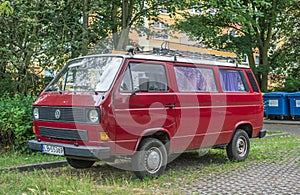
(195, 79)
(145, 78)
(233, 81)
(126, 85)
(252, 81)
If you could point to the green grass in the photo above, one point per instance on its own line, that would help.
(9, 158)
(105, 179)
(274, 132)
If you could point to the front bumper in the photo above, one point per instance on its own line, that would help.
(85, 152)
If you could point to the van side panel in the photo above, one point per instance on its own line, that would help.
(199, 118)
(244, 108)
(208, 119)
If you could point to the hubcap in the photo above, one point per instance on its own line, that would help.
(241, 146)
(153, 160)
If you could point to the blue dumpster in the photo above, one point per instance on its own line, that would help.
(276, 105)
(294, 99)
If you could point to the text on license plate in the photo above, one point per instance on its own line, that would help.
(56, 150)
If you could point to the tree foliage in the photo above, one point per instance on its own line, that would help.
(40, 33)
(46, 33)
(257, 25)
(285, 62)
(119, 17)
(5, 8)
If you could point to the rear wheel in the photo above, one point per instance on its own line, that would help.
(80, 164)
(150, 159)
(239, 147)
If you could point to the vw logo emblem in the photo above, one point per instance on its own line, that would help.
(57, 114)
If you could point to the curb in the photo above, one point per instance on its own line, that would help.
(277, 135)
(36, 166)
(283, 122)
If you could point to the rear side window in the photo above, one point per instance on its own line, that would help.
(233, 81)
(144, 78)
(195, 79)
(252, 81)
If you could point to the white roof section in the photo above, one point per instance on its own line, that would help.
(155, 57)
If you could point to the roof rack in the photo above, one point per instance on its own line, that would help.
(185, 51)
(194, 52)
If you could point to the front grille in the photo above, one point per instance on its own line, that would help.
(66, 114)
(65, 134)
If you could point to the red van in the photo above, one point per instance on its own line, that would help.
(147, 107)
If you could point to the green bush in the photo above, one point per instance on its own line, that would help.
(15, 121)
(292, 84)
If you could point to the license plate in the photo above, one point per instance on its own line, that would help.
(55, 150)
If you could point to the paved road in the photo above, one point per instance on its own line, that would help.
(271, 176)
(292, 127)
(267, 177)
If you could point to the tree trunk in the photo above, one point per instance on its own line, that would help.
(114, 19)
(251, 61)
(123, 39)
(85, 41)
(265, 69)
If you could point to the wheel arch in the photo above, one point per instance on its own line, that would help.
(247, 127)
(157, 133)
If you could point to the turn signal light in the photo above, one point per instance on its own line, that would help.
(104, 136)
(33, 129)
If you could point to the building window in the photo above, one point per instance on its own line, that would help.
(49, 73)
(195, 11)
(162, 10)
(161, 36)
(160, 25)
(257, 60)
(245, 59)
(232, 33)
(212, 11)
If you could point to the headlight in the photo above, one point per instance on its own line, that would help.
(93, 116)
(36, 113)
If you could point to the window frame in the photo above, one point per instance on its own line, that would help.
(128, 68)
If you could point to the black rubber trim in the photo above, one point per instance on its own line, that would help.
(88, 152)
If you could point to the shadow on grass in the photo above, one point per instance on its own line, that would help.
(121, 168)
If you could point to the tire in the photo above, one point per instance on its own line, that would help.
(239, 147)
(150, 159)
(80, 164)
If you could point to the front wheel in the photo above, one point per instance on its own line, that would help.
(80, 164)
(150, 159)
(239, 147)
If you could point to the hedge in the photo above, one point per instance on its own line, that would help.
(16, 121)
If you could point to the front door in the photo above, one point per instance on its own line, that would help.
(143, 104)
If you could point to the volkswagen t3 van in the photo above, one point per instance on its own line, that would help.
(147, 107)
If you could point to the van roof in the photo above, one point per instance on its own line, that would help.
(177, 52)
(155, 57)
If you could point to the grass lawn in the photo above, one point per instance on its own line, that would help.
(105, 179)
(9, 158)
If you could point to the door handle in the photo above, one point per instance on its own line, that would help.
(170, 106)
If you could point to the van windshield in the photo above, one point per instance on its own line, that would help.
(87, 74)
